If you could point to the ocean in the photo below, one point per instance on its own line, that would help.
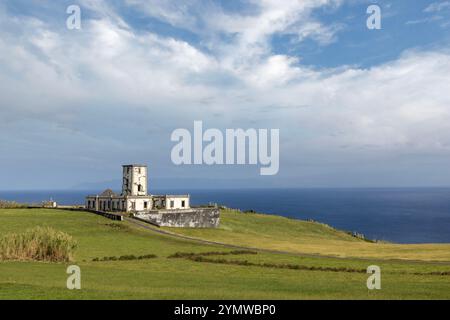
(402, 215)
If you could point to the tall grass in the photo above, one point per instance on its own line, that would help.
(11, 205)
(37, 244)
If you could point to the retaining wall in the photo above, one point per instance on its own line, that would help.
(183, 218)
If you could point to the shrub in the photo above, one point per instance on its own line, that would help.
(38, 244)
(125, 258)
(11, 205)
(148, 256)
(273, 265)
(205, 254)
(202, 257)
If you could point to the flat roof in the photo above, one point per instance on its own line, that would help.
(134, 165)
(172, 196)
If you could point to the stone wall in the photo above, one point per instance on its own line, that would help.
(188, 218)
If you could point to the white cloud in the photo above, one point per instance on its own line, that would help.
(250, 33)
(318, 32)
(85, 80)
(400, 105)
(436, 13)
(438, 6)
(425, 20)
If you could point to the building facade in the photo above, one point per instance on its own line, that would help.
(135, 196)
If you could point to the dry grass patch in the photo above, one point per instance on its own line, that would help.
(37, 244)
(11, 205)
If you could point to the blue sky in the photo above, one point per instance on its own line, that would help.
(356, 107)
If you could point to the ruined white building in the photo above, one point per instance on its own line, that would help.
(135, 196)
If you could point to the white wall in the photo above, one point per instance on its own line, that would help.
(135, 176)
(177, 203)
(139, 204)
(139, 178)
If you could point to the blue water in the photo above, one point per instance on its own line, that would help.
(419, 215)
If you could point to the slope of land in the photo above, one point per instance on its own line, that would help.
(233, 276)
(283, 234)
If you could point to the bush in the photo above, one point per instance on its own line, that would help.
(273, 265)
(148, 256)
(202, 257)
(125, 258)
(178, 255)
(38, 244)
(11, 205)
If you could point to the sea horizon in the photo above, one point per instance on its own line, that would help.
(394, 214)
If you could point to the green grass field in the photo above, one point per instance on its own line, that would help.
(305, 244)
(283, 234)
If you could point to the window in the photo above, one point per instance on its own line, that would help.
(172, 204)
(183, 204)
(140, 188)
(145, 204)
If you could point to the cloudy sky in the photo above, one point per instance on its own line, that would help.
(355, 107)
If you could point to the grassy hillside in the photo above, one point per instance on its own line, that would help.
(283, 234)
(248, 276)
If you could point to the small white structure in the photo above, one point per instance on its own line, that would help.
(134, 196)
(49, 204)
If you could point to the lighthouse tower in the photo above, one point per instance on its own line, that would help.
(134, 180)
